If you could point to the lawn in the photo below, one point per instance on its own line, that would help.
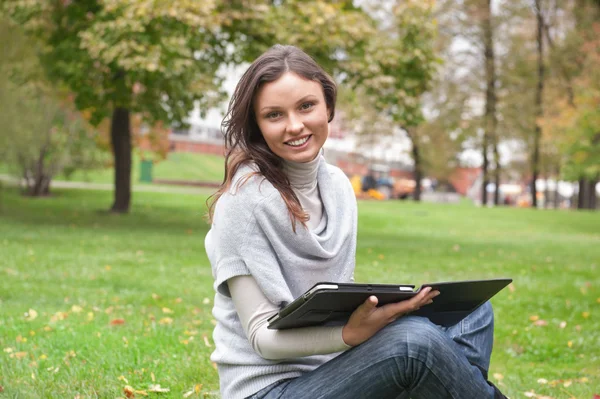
(177, 166)
(92, 302)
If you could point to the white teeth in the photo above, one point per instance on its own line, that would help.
(297, 143)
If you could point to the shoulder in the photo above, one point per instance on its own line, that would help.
(336, 172)
(339, 177)
(247, 191)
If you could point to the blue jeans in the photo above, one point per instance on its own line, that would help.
(410, 357)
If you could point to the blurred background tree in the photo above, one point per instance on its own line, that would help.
(451, 77)
(396, 68)
(158, 59)
(43, 134)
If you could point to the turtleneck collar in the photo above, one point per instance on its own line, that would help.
(302, 174)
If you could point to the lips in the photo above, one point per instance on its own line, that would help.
(298, 142)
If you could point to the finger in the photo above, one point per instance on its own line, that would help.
(369, 304)
(432, 295)
(400, 308)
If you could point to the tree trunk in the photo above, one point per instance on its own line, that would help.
(546, 192)
(556, 194)
(418, 170)
(120, 134)
(41, 186)
(484, 171)
(490, 103)
(592, 199)
(535, 160)
(582, 195)
(497, 171)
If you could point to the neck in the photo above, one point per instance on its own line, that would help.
(302, 174)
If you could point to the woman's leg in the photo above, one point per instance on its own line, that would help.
(475, 336)
(411, 355)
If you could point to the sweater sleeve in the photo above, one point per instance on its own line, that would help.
(254, 309)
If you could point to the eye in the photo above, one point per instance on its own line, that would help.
(273, 115)
(306, 106)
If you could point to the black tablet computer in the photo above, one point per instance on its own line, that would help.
(331, 304)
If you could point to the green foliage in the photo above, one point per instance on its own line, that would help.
(330, 31)
(399, 63)
(42, 134)
(153, 58)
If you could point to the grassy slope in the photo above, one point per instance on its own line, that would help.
(177, 166)
(80, 269)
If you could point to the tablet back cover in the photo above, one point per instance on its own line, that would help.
(333, 307)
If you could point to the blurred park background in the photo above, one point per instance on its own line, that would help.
(470, 131)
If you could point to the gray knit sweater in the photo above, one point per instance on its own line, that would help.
(252, 235)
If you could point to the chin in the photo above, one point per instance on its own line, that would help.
(303, 158)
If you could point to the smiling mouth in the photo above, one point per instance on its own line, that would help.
(299, 142)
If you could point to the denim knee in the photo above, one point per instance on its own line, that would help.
(415, 337)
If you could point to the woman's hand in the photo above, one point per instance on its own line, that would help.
(367, 319)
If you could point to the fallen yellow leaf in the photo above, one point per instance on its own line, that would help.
(534, 317)
(165, 320)
(76, 309)
(167, 310)
(585, 315)
(562, 324)
(157, 388)
(498, 376)
(570, 344)
(31, 315)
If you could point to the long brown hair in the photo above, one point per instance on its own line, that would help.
(244, 142)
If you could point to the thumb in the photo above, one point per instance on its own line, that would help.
(370, 304)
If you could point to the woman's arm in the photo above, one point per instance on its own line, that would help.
(254, 309)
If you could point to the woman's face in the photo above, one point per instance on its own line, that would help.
(292, 116)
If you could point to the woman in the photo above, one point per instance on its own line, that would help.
(283, 220)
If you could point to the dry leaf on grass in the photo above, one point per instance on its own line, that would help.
(130, 392)
(157, 388)
(30, 315)
(196, 390)
(562, 324)
(117, 322)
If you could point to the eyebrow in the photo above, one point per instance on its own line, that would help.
(306, 97)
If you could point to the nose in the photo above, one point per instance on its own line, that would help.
(294, 125)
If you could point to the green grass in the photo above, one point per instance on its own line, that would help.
(177, 166)
(80, 269)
